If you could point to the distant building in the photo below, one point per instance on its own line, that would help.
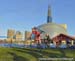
(10, 35)
(27, 35)
(18, 36)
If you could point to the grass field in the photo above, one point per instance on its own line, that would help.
(26, 54)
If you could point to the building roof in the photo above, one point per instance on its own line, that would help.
(65, 35)
(52, 29)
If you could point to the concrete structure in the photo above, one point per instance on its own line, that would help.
(52, 29)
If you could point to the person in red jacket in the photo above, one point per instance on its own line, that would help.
(36, 35)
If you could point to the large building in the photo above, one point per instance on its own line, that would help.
(27, 35)
(52, 28)
(14, 36)
(10, 35)
(18, 36)
(57, 32)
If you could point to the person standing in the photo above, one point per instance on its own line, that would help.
(36, 35)
(47, 40)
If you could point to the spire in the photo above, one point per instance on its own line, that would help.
(49, 18)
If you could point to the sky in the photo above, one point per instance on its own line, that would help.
(24, 14)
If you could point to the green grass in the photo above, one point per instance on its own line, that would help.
(27, 54)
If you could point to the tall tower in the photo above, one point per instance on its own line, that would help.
(49, 17)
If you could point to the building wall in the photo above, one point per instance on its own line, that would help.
(18, 36)
(52, 29)
(27, 35)
(64, 25)
(10, 33)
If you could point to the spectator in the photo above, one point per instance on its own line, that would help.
(47, 40)
(36, 35)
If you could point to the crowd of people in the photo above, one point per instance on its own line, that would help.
(36, 36)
